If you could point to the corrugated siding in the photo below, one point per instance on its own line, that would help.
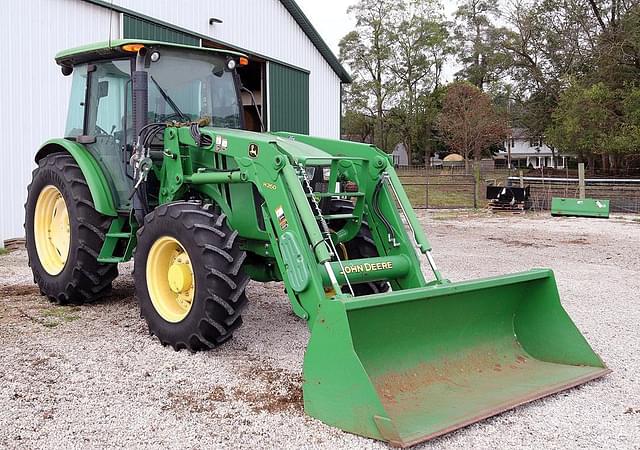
(289, 99)
(33, 93)
(136, 28)
(264, 27)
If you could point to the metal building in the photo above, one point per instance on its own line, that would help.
(294, 76)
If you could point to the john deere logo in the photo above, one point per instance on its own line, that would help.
(253, 150)
(360, 268)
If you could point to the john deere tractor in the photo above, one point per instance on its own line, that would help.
(155, 166)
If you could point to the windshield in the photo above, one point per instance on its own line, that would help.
(188, 85)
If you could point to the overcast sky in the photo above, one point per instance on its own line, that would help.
(330, 18)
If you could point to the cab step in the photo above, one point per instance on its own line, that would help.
(118, 243)
(123, 235)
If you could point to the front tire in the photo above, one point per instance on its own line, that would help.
(65, 234)
(188, 275)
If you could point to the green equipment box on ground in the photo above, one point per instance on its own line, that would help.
(587, 207)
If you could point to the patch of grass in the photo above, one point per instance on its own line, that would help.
(460, 214)
(57, 315)
(445, 216)
(440, 196)
(4, 251)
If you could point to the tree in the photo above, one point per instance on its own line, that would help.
(594, 121)
(614, 28)
(585, 121)
(547, 43)
(424, 122)
(420, 47)
(357, 121)
(536, 115)
(624, 146)
(397, 53)
(476, 36)
(367, 51)
(469, 122)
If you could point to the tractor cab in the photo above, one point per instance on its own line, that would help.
(118, 89)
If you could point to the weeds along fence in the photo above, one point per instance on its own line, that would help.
(623, 194)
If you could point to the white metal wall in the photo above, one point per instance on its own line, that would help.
(34, 94)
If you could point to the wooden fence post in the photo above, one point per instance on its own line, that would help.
(476, 185)
(583, 189)
(426, 196)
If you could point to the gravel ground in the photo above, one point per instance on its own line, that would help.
(92, 377)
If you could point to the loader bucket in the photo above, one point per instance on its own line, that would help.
(408, 366)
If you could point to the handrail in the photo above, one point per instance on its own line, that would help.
(576, 180)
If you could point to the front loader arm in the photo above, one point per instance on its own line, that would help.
(369, 152)
(400, 198)
(297, 241)
(390, 201)
(294, 233)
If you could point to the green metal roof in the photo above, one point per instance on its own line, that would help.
(112, 48)
(294, 10)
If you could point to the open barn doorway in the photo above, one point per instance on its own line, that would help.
(253, 78)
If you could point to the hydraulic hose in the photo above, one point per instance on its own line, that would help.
(391, 235)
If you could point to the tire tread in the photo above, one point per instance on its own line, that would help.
(224, 294)
(89, 279)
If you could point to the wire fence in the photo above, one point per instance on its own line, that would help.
(452, 188)
(453, 170)
(623, 198)
(441, 192)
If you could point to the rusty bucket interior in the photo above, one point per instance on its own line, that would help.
(439, 358)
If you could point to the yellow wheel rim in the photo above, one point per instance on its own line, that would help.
(170, 280)
(51, 230)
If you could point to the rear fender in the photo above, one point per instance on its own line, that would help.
(96, 179)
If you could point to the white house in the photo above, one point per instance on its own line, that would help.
(527, 151)
(293, 74)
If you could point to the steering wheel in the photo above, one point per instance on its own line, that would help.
(104, 136)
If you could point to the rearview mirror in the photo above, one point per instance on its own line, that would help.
(103, 89)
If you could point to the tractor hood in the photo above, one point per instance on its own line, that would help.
(298, 152)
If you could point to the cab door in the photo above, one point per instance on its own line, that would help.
(106, 128)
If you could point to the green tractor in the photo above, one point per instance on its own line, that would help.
(155, 166)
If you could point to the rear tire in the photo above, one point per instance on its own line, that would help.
(75, 277)
(208, 315)
(360, 247)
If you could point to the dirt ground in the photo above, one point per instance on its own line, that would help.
(92, 377)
